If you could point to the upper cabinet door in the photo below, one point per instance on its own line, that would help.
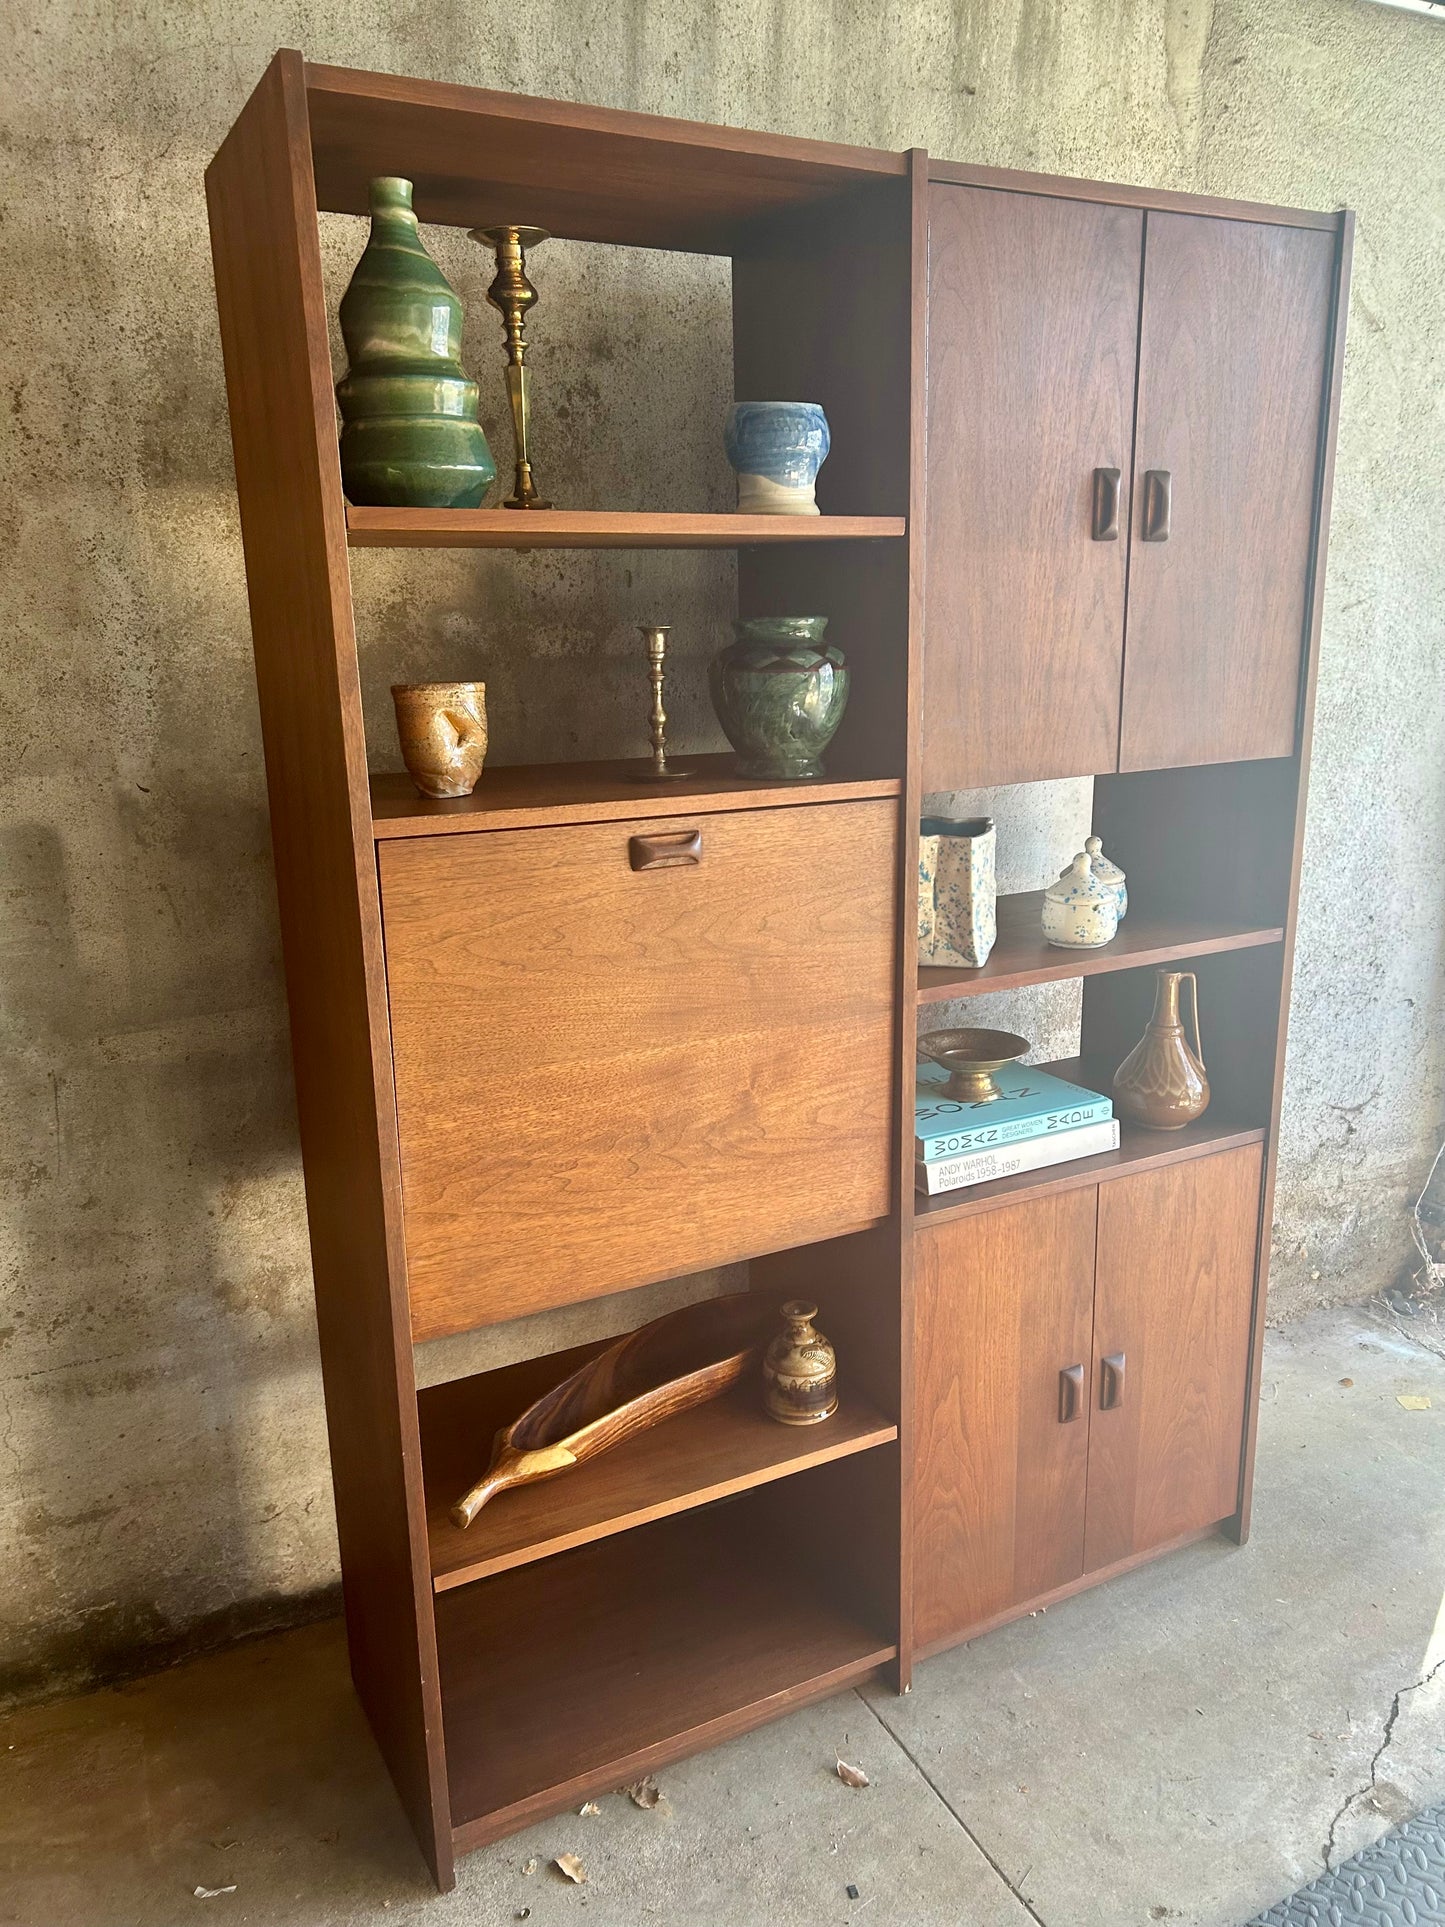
(1232, 365)
(1032, 329)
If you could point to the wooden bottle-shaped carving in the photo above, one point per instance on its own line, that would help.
(1162, 1082)
(800, 1370)
(411, 438)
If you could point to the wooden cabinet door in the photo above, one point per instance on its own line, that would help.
(1173, 1312)
(1004, 1306)
(606, 1076)
(1232, 365)
(1033, 314)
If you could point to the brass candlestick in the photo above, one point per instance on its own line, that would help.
(660, 770)
(512, 294)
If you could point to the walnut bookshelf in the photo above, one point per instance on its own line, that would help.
(727, 1571)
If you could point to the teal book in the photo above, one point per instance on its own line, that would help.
(1033, 1104)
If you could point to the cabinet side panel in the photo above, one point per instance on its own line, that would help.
(269, 293)
(1003, 1305)
(1173, 1303)
(1033, 309)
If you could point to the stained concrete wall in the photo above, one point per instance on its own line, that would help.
(162, 1458)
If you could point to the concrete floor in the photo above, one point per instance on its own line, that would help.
(1181, 1745)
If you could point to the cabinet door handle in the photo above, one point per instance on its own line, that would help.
(1111, 1382)
(1071, 1393)
(1106, 505)
(664, 852)
(1158, 496)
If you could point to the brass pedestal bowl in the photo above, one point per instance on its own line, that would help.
(971, 1058)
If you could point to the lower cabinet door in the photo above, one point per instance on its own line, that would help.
(1173, 1310)
(1004, 1308)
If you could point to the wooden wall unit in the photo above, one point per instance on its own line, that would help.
(618, 1075)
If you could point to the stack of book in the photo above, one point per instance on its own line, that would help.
(1037, 1121)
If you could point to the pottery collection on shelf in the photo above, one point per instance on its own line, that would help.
(776, 449)
(410, 434)
(1162, 1082)
(443, 732)
(780, 691)
(957, 892)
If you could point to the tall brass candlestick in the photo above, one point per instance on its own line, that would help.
(512, 294)
(654, 637)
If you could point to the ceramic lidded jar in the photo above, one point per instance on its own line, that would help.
(776, 449)
(1108, 872)
(800, 1370)
(957, 891)
(780, 691)
(1080, 912)
(410, 436)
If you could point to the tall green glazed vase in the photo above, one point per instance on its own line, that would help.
(410, 436)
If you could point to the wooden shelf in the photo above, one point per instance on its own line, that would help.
(583, 173)
(535, 795)
(565, 1680)
(385, 528)
(1021, 956)
(1139, 1150)
(712, 1452)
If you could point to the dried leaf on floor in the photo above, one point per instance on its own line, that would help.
(852, 1775)
(211, 1893)
(588, 1807)
(571, 1867)
(1413, 1401)
(1347, 1381)
(530, 1866)
(644, 1793)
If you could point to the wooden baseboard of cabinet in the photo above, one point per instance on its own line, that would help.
(1082, 1584)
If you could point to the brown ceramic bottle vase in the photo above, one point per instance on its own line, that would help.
(800, 1370)
(1162, 1082)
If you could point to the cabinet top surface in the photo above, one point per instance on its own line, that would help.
(584, 173)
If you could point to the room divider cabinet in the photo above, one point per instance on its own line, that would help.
(566, 1035)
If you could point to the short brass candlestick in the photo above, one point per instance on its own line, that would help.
(655, 637)
(512, 294)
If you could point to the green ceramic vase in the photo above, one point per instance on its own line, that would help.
(410, 436)
(780, 692)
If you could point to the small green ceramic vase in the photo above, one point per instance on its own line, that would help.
(780, 692)
(410, 436)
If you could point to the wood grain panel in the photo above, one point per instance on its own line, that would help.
(1018, 180)
(694, 1066)
(1003, 1304)
(283, 430)
(1174, 1294)
(398, 528)
(1232, 368)
(583, 173)
(1033, 322)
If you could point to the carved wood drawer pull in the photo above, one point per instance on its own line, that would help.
(664, 852)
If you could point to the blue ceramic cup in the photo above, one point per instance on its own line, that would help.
(777, 448)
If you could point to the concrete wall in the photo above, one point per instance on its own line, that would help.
(162, 1458)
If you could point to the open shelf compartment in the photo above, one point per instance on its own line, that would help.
(1140, 1149)
(569, 1679)
(726, 1446)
